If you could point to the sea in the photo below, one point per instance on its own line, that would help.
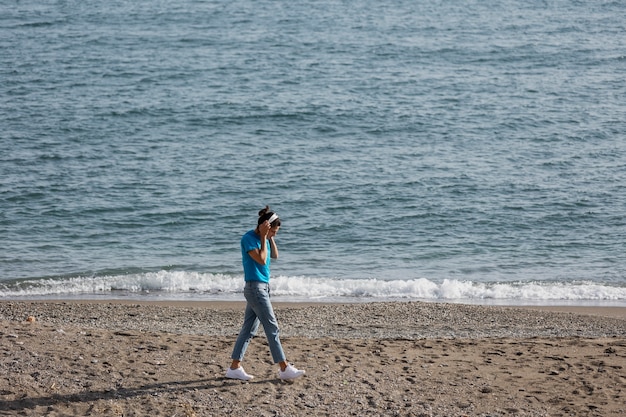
(467, 151)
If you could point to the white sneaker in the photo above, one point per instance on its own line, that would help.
(291, 372)
(238, 373)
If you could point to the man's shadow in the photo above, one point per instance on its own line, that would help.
(122, 393)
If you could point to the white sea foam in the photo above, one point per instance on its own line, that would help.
(182, 284)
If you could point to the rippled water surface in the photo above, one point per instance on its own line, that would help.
(442, 150)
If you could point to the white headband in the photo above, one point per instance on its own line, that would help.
(274, 217)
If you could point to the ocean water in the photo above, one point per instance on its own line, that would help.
(456, 150)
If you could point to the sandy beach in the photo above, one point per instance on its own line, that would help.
(372, 359)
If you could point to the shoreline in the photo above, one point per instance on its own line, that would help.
(381, 359)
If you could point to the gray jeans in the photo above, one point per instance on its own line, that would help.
(258, 310)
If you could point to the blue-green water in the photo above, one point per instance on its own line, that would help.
(466, 150)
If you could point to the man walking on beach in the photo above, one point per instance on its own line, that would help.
(257, 248)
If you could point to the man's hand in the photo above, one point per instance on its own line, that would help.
(264, 229)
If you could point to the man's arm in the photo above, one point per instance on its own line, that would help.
(260, 255)
(274, 248)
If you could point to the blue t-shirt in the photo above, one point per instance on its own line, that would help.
(252, 270)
